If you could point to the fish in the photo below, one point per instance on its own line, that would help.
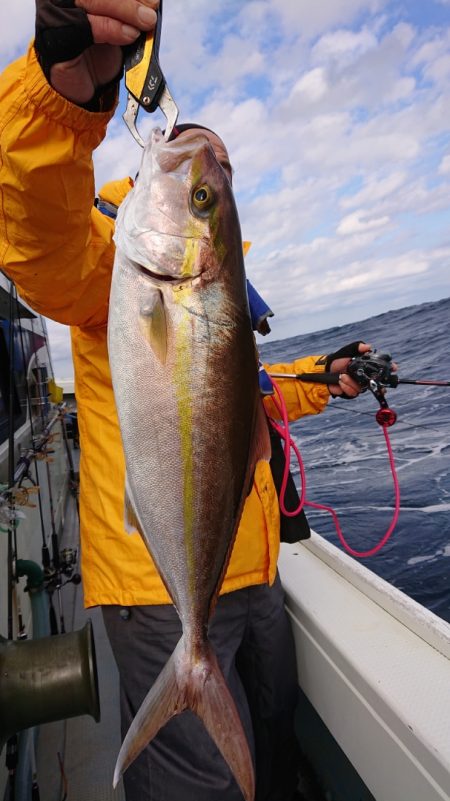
(184, 370)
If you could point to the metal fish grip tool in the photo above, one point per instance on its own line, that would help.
(145, 82)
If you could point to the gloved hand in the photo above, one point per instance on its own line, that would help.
(79, 42)
(338, 362)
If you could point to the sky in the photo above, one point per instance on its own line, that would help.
(336, 115)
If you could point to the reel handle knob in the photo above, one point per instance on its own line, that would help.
(386, 417)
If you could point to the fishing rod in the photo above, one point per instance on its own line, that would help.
(369, 367)
(333, 378)
(53, 574)
(11, 757)
(74, 478)
(422, 382)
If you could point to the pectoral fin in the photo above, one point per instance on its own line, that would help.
(131, 521)
(262, 448)
(153, 324)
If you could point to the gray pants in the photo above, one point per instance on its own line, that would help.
(252, 638)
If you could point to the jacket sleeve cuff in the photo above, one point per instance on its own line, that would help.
(60, 110)
(319, 394)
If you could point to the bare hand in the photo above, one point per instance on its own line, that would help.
(113, 23)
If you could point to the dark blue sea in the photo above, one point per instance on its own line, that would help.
(346, 460)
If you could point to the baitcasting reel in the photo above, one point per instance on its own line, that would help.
(374, 371)
(68, 558)
(373, 367)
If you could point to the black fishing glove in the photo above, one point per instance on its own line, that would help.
(346, 352)
(63, 32)
(349, 351)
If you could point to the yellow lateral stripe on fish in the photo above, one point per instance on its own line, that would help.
(190, 257)
(182, 369)
(182, 373)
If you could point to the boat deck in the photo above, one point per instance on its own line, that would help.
(88, 750)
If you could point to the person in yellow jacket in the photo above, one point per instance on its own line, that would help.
(55, 104)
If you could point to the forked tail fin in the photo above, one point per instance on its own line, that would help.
(199, 686)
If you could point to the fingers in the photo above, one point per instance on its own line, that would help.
(349, 387)
(119, 22)
(339, 365)
(346, 387)
(110, 31)
(363, 347)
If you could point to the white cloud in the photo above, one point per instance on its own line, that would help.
(343, 45)
(329, 290)
(375, 189)
(312, 86)
(430, 50)
(310, 19)
(401, 90)
(444, 167)
(358, 222)
(439, 70)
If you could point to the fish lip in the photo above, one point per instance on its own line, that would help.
(165, 278)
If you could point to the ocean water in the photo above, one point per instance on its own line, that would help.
(346, 460)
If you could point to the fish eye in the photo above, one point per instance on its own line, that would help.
(202, 198)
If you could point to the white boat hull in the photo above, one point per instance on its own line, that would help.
(375, 665)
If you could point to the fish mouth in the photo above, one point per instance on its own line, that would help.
(166, 278)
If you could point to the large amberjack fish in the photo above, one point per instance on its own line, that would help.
(185, 379)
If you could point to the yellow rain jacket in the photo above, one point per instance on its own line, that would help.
(58, 249)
